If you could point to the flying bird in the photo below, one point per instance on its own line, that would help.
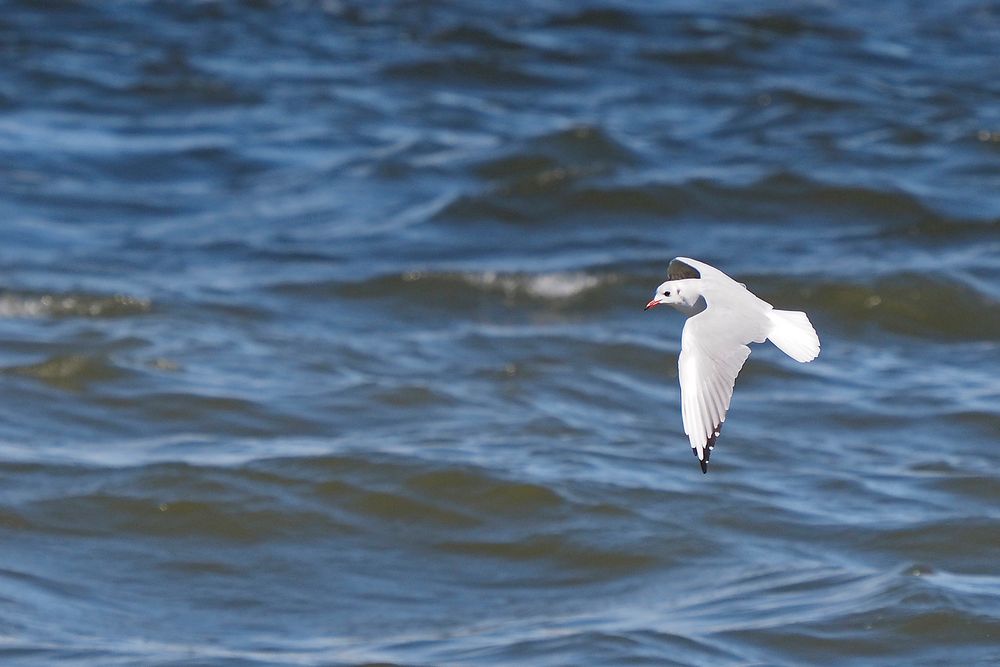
(723, 317)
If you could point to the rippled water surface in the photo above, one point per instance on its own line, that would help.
(322, 342)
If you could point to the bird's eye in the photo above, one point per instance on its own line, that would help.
(667, 293)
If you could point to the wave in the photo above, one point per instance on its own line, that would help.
(72, 371)
(785, 25)
(921, 305)
(29, 304)
(933, 231)
(605, 18)
(463, 289)
(476, 35)
(565, 554)
(295, 497)
(697, 56)
(467, 72)
(525, 188)
(932, 306)
(546, 286)
(110, 513)
(537, 171)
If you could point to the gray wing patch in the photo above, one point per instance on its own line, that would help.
(678, 270)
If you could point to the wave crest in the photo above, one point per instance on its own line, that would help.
(17, 304)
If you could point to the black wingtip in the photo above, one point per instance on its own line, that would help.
(702, 461)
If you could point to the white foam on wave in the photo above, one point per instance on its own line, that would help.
(541, 286)
(49, 305)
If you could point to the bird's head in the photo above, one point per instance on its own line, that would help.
(684, 295)
(670, 292)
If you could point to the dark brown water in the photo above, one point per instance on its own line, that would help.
(322, 343)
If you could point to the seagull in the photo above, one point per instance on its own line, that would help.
(723, 316)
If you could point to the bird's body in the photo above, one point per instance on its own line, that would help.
(723, 317)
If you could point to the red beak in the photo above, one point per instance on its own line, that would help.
(652, 304)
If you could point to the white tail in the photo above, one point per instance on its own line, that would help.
(792, 333)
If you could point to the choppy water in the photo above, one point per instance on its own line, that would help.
(321, 333)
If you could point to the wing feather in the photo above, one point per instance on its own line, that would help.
(712, 355)
(679, 270)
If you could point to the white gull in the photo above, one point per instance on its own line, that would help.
(723, 316)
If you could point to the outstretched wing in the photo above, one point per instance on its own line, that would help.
(712, 353)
